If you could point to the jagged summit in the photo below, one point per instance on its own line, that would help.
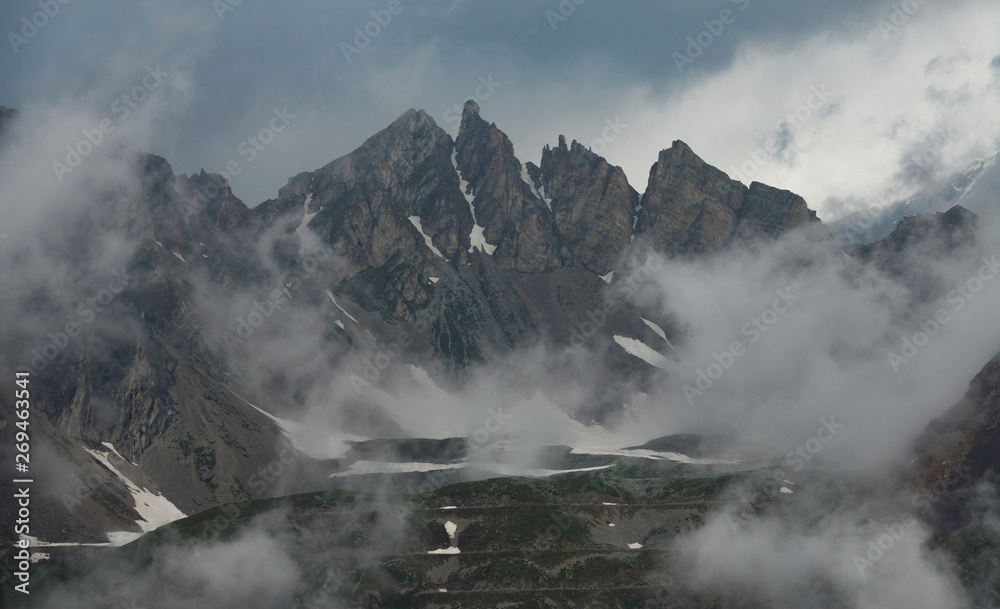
(411, 199)
(691, 207)
(470, 108)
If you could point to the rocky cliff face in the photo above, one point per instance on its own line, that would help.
(959, 453)
(692, 208)
(512, 213)
(915, 241)
(593, 204)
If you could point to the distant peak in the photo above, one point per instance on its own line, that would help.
(470, 108)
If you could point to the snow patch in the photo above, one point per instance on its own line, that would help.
(607, 278)
(181, 258)
(643, 351)
(434, 279)
(154, 510)
(111, 447)
(34, 542)
(501, 469)
(477, 238)
(303, 229)
(379, 467)
(513, 470)
(451, 527)
(634, 546)
(287, 427)
(526, 178)
(449, 507)
(424, 380)
(655, 328)
(786, 490)
(342, 309)
(117, 539)
(545, 197)
(415, 221)
(451, 550)
(643, 453)
(320, 445)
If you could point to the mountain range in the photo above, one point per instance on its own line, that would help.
(193, 353)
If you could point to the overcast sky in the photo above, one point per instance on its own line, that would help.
(878, 90)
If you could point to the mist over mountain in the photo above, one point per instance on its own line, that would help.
(435, 306)
(732, 343)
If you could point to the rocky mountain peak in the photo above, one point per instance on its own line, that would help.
(592, 202)
(512, 213)
(690, 207)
